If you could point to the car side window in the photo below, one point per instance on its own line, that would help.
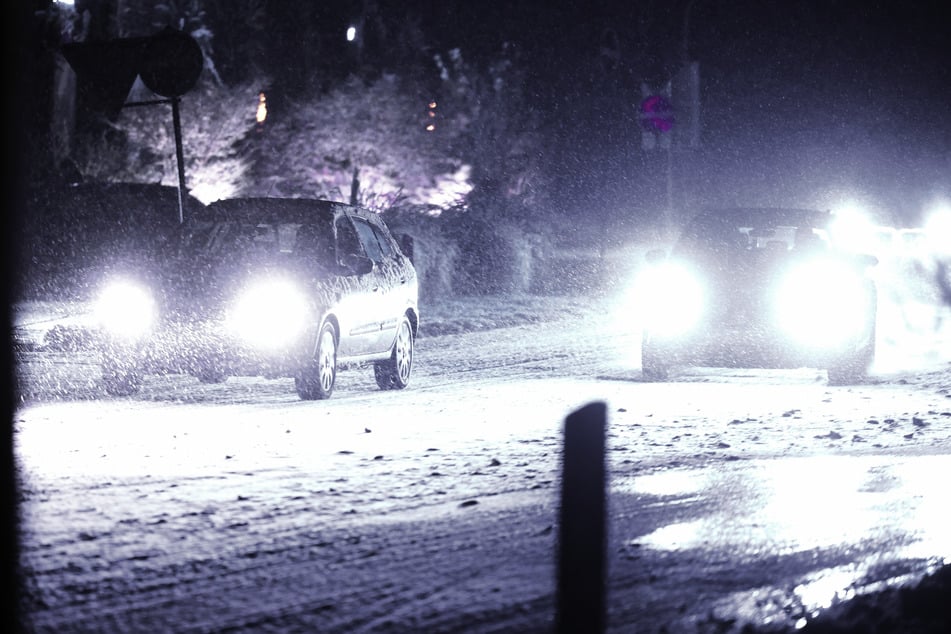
(368, 238)
(314, 243)
(385, 245)
(347, 241)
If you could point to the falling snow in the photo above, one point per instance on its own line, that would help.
(199, 507)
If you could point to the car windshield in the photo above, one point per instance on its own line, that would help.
(736, 233)
(260, 243)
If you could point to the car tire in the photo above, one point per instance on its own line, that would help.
(394, 373)
(118, 382)
(845, 374)
(854, 369)
(653, 371)
(316, 381)
(653, 368)
(850, 371)
(211, 374)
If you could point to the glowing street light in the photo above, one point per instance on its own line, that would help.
(351, 33)
(261, 114)
(431, 113)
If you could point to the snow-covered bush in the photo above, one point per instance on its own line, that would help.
(435, 255)
(374, 127)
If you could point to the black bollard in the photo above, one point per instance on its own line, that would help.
(582, 523)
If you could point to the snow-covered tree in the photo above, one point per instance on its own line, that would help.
(496, 130)
(139, 146)
(504, 223)
(373, 128)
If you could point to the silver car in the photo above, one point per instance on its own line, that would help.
(266, 287)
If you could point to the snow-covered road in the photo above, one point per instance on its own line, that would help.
(734, 494)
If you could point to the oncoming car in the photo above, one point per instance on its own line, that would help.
(266, 287)
(758, 288)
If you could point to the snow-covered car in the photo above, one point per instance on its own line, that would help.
(758, 288)
(266, 287)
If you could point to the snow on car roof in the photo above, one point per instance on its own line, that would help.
(762, 217)
(276, 209)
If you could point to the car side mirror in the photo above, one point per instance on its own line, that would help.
(406, 245)
(656, 256)
(357, 264)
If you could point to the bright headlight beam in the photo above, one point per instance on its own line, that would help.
(821, 302)
(125, 309)
(852, 230)
(671, 298)
(269, 313)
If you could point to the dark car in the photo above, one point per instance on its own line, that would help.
(71, 233)
(266, 287)
(758, 288)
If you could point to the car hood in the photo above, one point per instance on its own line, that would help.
(198, 289)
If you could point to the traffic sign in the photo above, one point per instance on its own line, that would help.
(169, 64)
(657, 114)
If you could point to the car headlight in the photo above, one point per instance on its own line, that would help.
(822, 302)
(125, 309)
(269, 313)
(671, 298)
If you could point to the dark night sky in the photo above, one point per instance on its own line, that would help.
(803, 103)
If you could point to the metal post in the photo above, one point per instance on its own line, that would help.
(355, 187)
(582, 522)
(671, 222)
(685, 45)
(180, 155)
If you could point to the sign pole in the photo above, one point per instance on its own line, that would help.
(180, 156)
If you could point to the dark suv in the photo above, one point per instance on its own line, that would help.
(266, 287)
(758, 288)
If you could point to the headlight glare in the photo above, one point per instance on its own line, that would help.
(125, 309)
(269, 313)
(821, 303)
(671, 298)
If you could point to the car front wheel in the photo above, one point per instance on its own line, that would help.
(119, 382)
(851, 370)
(653, 367)
(316, 381)
(845, 374)
(211, 374)
(393, 374)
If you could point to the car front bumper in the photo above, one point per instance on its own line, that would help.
(753, 347)
(206, 350)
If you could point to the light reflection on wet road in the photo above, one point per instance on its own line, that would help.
(876, 519)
